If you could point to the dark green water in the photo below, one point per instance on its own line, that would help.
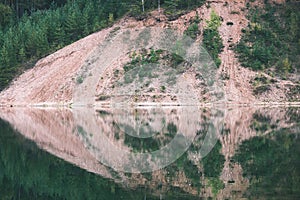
(253, 158)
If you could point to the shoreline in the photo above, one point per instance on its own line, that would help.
(150, 105)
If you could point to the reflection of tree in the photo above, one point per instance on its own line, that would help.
(141, 144)
(273, 163)
(149, 144)
(188, 168)
(213, 164)
(293, 115)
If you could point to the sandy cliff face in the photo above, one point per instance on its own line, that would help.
(52, 78)
(79, 69)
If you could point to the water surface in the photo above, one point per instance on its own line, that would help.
(150, 153)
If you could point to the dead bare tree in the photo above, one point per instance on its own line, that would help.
(158, 6)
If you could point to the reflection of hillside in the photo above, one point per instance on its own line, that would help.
(83, 136)
(53, 131)
(242, 124)
(124, 128)
(272, 162)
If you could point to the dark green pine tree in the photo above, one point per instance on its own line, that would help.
(171, 6)
(73, 24)
(87, 18)
(54, 29)
(5, 15)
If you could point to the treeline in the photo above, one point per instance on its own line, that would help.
(16, 8)
(39, 33)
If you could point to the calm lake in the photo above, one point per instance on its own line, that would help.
(150, 153)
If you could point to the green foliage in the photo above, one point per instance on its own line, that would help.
(141, 144)
(260, 79)
(192, 31)
(284, 67)
(149, 144)
(261, 123)
(294, 93)
(272, 39)
(44, 31)
(212, 39)
(176, 59)
(27, 173)
(143, 58)
(216, 184)
(213, 44)
(190, 170)
(21, 7)
(215, 22)
(163, 88)
(135, 11)
(5, 15)
(79, 79)
(172, 6)
(154, 56)
(261, 84)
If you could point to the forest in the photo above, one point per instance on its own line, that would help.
(30, 30)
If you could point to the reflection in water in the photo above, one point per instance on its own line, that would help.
(143, 140)
(255, 153)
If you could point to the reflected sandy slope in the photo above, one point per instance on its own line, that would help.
(113, 142)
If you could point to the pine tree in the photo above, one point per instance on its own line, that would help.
(73, 23)
(87, 16)
(5, 15)
(21, 55)
(110, 18)
(286, 66)
(171, 6)
(294, 25)
(4, 58)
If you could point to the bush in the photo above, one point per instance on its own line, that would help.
(261, 89)
(192, 31)
(212, 39)
(213, 43)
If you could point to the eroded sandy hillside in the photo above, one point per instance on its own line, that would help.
(75, 73)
